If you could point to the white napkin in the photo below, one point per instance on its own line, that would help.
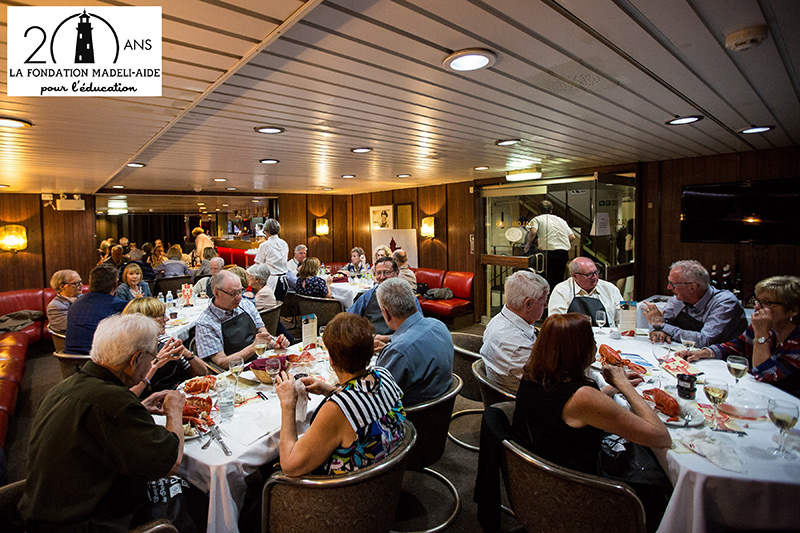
(719, 453)
(254, 421)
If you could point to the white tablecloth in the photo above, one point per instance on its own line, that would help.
(222, 477)
(706, 497)
(187, 316)
(346, 292)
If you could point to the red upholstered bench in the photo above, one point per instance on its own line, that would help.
(461, 303)
(27, 299)
(434, 278)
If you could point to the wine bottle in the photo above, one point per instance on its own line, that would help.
(727, 283)
(714, 281)
(737, 288)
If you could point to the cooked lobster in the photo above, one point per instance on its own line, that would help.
(610, 356)
(201, 403)
(200, 384)
(664, 402)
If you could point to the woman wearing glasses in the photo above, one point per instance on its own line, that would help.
(772, 341)
(67, 284)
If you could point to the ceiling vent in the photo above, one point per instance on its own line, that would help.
(745, 38)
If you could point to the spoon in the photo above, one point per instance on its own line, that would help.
(686, 419)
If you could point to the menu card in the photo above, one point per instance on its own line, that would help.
(309, 331)
(186, 293)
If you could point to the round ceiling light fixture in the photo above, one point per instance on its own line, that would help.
(117, 186)
(756, 129)
(680, 121)
(507, 142)
(482, 167)
(327, 188)
(11, 122)
(269, 161)
(363, 150)
(269, 129)
(469, 59)
(404, 175)
(231, 188)
(221, 180)
(348, 176)
(134, 164)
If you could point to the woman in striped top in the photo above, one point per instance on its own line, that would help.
(359, 423)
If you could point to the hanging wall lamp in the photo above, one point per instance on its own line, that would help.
(13, 238)
(427, 229)
(322, 226)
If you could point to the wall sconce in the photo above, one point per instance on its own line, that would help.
(427, 229)
(13, 238)
(521, 175)
(322, 226)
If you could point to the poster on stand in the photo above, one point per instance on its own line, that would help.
(394, 239)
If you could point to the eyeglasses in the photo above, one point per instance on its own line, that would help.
(590, 275)
(233, 294)
(671, 285)
(383, 273)
(766, 303)
(76, 283)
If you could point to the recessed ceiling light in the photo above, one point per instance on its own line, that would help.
(224, 205)
(203, 207)
(361, 150)
(269, 129)
(231, 188)
(201, 203)
(10, 122)
(134, 164)
(4, 185)
(220, 179)
(507, 142)
(117, 186)
(756, 129)
(482, 168)
(679, 121)
(404, 175)
(327, 188)
(269, 161)
(348, 176)
(255, 201)
(469, 59)
(217, 209)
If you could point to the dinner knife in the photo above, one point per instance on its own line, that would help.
(722, 430)
(218, 438)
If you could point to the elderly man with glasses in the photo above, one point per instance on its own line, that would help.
(697, 312)
(584, 292)
(230, 325)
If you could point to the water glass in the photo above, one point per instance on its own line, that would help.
(226, 401)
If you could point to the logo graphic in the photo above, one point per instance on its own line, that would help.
(93, 51)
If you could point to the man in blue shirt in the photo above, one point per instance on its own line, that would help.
(367, 303)
(420, 353)
(88, 310)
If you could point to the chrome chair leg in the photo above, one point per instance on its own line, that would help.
(452, 518)
(456, 440)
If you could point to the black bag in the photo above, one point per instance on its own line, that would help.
(630, 462)
(422, 288)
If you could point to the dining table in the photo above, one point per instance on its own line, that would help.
(347, 292)
(252, 435)
(181, 327)
(746, 487)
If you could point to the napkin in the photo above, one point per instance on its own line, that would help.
(251, 424)
(719, 453)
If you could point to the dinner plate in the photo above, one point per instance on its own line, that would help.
(697, 417)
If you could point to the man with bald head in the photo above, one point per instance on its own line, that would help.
(230, 325)
(584, 292)
(401, 258)
(215, 265)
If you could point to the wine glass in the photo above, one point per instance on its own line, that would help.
(273, 368)
(717, 392)
(236, 365)
(784, 415)
(600, 318)
(737, 366)
(661, 351)
(260, 347)
(688, 344)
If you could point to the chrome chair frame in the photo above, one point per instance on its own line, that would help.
(318, 485)
(490, 393)
(70, 363)
(59, 339)
(464, 355)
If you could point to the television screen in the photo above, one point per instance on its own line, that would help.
(759, 212)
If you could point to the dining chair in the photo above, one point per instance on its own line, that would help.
(271, 317)
(213, 369)
(59, 339)
(466, 351)
(432, 420)
(490, 393)
(364, 500)
(174, 284)
(152, 284)
(549, 497)
(289, 309)
(10, 495)
(70, 363)
(324, 308)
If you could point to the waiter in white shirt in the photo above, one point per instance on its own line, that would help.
(273, 252)
(555, 239)
(585, 293)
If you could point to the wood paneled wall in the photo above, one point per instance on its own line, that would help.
(56, 240)
(658, 241)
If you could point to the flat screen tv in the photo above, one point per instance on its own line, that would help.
(758, 212)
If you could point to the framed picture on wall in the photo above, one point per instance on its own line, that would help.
(381, 216)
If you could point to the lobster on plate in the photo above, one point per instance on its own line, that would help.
(200, 403)
(200, 384)
(664, 402)
(305, 357)
(611, 357)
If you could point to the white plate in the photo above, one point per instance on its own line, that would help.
(697, 417)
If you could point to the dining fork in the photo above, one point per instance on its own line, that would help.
(686, 419)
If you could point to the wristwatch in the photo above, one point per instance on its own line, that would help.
(658, 327)
(762, 340)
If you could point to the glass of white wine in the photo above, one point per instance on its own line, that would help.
(716, 391)
(273, 368)
(600, 318)
(737, 366)
(236, 365)
(260, 347)
(689, 345)
(784, 415)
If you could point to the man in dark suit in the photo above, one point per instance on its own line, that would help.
(95, 305)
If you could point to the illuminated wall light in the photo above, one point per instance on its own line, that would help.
(427, 229)
(13, 238)
(322, 227)
(521, 175)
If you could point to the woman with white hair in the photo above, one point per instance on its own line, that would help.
(274, 252)
(257, 278)
(68, 285)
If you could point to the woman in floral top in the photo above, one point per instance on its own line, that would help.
(308, 283)
(352, 428)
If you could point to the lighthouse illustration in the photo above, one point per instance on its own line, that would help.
(84, 49)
